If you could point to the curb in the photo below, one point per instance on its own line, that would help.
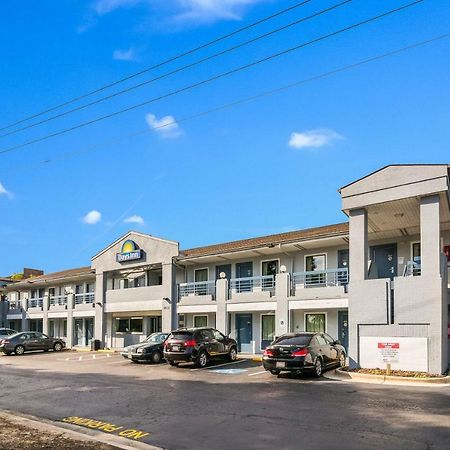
(342, 375)
(71, 431)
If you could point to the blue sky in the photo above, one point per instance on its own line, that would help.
(262, 167)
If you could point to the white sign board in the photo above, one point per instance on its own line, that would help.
(403, 353)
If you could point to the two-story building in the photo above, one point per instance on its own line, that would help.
(378, 283)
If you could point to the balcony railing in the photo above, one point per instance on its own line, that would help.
(252, 284)
(84, 299)
(58, 300)
(412, 269)
(35, 302)
(197, 288)
(320, 278)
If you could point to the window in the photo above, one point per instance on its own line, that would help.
(181, 321)
(140, 281)
(200, 275)
(136, 325)
(132, 325)
(123, 325)
(78, 289)
(41, 292)
(315, 323)
(270, 267)
(267, 329)
(328, 339)
(301, 339)
(65, 327)
(207, 335)
(315, 263)
(200, 321)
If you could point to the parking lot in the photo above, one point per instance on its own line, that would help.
(224, 405)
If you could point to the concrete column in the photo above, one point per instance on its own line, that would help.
(100, 297)
(169, 302)
(430, 237)
(70, 306)
(282, 293)
(221, 300)
(24, 314)
(359, 246)
(45, 307)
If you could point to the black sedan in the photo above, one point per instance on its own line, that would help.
(298, 352)
(151, 350)
(29, 341)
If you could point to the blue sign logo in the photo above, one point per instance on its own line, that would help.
(130, 251)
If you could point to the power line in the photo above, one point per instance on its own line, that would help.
(160, 64)
(178, 70)
(267, 93)
(208, 80)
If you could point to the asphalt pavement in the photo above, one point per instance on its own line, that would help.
(225, 406)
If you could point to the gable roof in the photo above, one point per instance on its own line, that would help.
(125, 236)
(55, 276)
(273, 239)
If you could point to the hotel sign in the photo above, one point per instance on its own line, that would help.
(130, 252)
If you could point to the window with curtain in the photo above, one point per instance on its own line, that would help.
(315, 323)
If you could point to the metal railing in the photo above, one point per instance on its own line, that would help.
(320, 278)
(197, 288)
(58, 300)
(412, 269)
(35, 302)
(86, 298)
(252, 284)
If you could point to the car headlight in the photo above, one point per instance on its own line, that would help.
(140, 350)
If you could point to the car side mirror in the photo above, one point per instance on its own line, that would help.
(337, 342)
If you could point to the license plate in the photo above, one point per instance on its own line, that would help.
(175, 348)
(280, 365)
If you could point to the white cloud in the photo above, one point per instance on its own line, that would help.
(106, 6)
(166, 126)
(200, 11)
(5, 192)
(92, 217)
(134, 219)
(313, 138)
(124, 55)
(213, 10)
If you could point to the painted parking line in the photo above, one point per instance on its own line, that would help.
(257, 373)
(220, 365)
(86, 357)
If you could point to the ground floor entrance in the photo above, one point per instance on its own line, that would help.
(57, 328)
(83, 331)
(15, 324)
(35, 325)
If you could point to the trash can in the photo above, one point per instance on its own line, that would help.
(95, 345)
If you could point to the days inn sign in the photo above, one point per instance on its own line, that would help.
(130, 252)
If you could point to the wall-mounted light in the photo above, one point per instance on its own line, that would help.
(283, 269)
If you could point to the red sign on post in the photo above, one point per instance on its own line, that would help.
(388, 345)
(389, 351)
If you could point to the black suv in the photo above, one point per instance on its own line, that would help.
(198, 345)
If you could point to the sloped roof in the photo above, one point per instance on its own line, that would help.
(61, 275)
(273, 239)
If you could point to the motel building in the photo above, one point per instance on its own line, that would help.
(377, 282)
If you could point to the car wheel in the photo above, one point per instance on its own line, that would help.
(275, 372)
(173, 363)
(57, 347)
(19, 350)
(156, 357)
(342, 360)
(318, 368)
(202, 360)
(232, 355)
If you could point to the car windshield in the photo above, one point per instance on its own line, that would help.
(302, 339)
(157, 337)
